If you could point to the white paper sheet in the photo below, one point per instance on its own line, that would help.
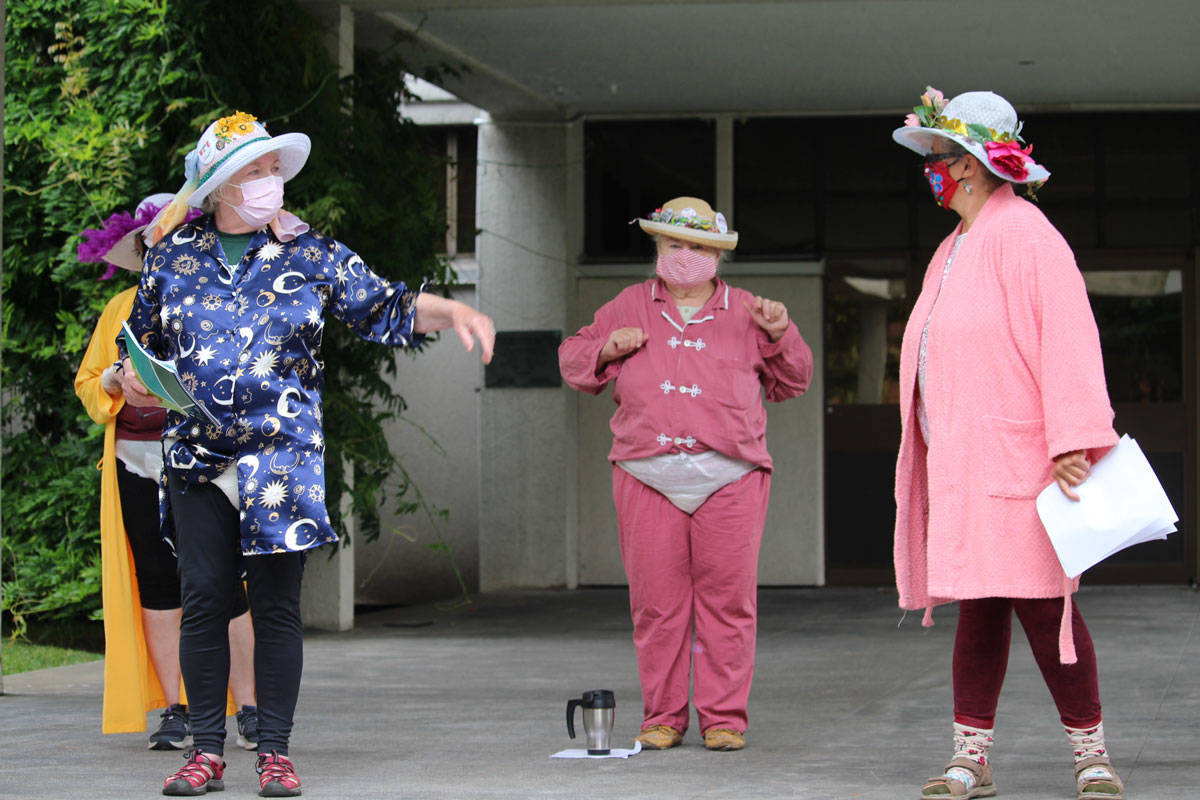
(614, 753)
(1120, 504)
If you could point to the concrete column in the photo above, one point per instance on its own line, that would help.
(527, 436)
(327, 595)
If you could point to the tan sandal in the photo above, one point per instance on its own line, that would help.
(1097, 787)
(951, 789)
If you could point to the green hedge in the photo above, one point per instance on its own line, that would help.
(103, 99)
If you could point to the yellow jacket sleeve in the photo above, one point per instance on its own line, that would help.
(101, 406)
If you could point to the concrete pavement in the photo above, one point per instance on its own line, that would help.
(466, 703)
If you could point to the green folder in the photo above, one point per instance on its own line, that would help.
(161, 379)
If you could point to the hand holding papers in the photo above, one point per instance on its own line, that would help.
(1120, 504)
(161, 379)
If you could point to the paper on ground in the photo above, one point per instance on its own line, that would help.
(1120, 504)
(614, 753)
(161, 379)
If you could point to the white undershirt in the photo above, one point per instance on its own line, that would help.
(141, 457)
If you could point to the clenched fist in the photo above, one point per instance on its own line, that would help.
(770, 315)
(621, 343)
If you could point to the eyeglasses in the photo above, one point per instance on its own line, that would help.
(933, 158)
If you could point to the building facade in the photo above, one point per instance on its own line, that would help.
(578, 117)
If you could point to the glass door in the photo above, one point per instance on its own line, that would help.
(1145, 309)
(866, 306)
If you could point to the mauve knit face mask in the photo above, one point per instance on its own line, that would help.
(686, 267)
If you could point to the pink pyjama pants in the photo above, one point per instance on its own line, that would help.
(693, 593)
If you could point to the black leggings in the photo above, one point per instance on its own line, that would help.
(153, 562)
(207, 540)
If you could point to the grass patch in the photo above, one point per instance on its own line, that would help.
(23, 657)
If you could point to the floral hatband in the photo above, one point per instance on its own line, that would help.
(688, 218)
(929, 115)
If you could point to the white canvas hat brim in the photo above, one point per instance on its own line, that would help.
(721, 241)
(920, 141)
(293, 153)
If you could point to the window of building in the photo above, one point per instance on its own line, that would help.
(777, 180)
(454, 149)
(631, 168)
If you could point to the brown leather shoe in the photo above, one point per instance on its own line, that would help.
(724, 739)
(659, 737)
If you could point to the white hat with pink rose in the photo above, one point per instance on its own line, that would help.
(983, 123)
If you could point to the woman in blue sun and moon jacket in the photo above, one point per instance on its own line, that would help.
(237, 299)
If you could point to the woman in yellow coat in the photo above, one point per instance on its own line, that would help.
(140, 579)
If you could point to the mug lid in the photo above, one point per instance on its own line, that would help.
(599, 698)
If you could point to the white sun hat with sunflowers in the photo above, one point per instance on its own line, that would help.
(693, 220)
(983, 123)
(232, 142)
(226, 146)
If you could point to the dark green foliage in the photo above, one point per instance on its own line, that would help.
(103, 98)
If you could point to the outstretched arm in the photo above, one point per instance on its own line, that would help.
(435, 313)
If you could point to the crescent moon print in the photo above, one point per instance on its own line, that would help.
(270, 427)
(190, 350)
(282, 469)
(247, 335)
(351, 263)
(181, 238)
(275, 338)
(291, 536)
(223, 401)
(250, 461)
(282, 408)
(187, 463)
(265, 298)
(280, 284)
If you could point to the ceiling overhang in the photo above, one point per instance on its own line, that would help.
(560, 60)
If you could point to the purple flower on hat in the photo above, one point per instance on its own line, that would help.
(98, 241)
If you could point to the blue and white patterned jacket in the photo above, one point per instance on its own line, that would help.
(246, 340)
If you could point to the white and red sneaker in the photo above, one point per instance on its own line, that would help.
(276, 776)
(202, 773)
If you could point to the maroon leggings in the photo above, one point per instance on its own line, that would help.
(981, 659)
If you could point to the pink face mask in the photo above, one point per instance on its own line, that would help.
(261, 200)
(686, 267)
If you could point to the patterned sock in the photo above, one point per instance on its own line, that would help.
(973, 744)
(1089, 743)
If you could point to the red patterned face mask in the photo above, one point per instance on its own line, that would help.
(686, 268)
(940, 182)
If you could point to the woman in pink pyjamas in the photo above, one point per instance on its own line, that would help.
(1002, 393)
(690, 358)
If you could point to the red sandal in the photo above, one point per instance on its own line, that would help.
(202, 773)
(276, 776)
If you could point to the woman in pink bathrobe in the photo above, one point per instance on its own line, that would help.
(690, 358)
(1002, 392)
